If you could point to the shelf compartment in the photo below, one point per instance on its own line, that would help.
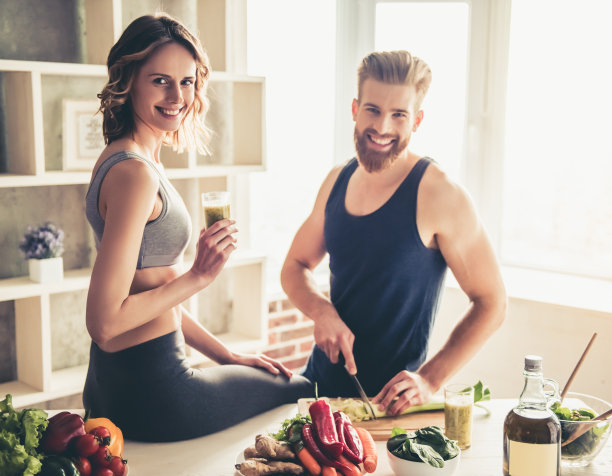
(237, 117)
(63, 383)
(55, 90)
(70, 381)
(23, 288)
(23, 119)
(79, 178)
(33, 341)
(78, 279)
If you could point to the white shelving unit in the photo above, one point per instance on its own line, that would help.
(237, 103)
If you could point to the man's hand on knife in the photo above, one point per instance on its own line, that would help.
(334, 337)
(403, 391)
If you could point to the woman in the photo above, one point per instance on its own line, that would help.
(138, 376)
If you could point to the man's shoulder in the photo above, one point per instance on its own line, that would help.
(435, 180)
(334, 173)
(442, 193)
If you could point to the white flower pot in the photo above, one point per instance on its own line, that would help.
(46, 270)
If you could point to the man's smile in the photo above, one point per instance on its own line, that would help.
(380, 141)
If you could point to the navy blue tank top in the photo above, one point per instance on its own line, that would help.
(384, 283)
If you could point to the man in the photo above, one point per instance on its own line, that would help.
(391, 222)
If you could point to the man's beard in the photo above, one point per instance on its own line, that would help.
(372, 160)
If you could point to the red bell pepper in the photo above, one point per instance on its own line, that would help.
(62, 428)
(323, 423)
(350, 448)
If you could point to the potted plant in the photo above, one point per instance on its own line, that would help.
(43, 248)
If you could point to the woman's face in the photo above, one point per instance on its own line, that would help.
(163, 89)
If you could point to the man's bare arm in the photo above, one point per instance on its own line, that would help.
(306, 252)
(467, 250)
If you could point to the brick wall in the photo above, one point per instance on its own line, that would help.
(290, 334)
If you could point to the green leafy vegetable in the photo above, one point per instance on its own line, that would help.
(428, 445)
(291, 429)
(426, 453)
(434, 436)
(481, 392)
(586, 443)
(20, 432)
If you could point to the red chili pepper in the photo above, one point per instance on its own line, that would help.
(349, 448)
(323, 422)
(308, 438)
(61, 429)
(353, 443)
(339, 421)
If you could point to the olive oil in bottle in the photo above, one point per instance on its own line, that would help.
(532, 432)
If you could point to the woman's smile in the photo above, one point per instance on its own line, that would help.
(170, 113)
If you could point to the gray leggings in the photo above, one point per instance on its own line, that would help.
(151, 393)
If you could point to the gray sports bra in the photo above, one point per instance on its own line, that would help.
(164, 239)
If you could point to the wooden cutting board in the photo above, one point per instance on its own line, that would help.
(381, 427)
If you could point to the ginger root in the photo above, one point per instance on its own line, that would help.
(271, 448)
(251, 452)
(252, 467)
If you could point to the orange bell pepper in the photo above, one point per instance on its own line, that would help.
(116, 442)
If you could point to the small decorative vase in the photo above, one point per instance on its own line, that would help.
(46, 270)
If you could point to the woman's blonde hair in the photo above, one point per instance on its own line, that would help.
(396, 67)
(137, 43)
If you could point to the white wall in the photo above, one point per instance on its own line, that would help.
(558, 333)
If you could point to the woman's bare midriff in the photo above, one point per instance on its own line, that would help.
(145, 280)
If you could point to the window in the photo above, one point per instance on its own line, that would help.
(518, 111)
(437, 33)
(291, 43)
(532, 79)
(557, 208)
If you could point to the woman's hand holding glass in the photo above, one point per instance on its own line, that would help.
(213, 249)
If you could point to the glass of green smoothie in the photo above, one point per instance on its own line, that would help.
(216, 207)
(458, 402)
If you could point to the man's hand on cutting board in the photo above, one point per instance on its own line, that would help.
(402, 391)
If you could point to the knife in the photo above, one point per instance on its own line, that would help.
(363, 396)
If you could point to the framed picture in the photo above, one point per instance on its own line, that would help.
(82, 133)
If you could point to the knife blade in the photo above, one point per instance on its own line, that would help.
(363, 395)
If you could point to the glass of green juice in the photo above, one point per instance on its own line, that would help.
(216, 207)
(458, 402)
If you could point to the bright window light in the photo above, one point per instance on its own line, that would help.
(292, 44)
(557, 211)
(438, 34)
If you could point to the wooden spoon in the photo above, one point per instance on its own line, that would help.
(575, 371)
(585, 426)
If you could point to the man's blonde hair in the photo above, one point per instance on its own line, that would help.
(396, 67)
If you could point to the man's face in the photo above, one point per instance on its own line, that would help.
(385, 118)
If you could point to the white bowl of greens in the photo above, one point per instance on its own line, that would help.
(424, 452)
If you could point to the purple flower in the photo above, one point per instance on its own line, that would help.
(46, 241)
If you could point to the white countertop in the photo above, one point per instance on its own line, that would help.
(214, 455)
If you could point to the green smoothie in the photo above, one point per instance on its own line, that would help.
(214, 213)
(458, 423)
